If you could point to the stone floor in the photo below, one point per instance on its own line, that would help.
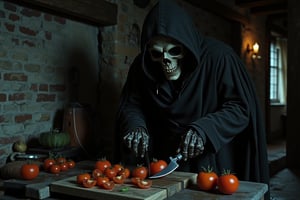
(284, 182)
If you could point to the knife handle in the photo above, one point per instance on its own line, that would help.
(177, 157)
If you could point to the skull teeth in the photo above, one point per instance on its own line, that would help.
(169, 70)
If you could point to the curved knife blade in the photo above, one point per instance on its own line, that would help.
(170, 168)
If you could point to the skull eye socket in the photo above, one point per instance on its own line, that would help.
(175, 51)
(156, 54)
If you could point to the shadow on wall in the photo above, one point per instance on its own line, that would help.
(98, 94)
(81, 96)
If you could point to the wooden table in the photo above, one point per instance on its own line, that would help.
(246, 191)
(176, 186)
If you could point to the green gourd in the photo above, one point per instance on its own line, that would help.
(54, 139)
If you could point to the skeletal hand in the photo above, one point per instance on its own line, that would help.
(138, 141)
(192, 145)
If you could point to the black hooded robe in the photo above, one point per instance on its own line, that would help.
(214, 95)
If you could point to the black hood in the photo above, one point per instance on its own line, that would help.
(168, 19)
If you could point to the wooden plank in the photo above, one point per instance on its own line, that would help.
(70, 187)
(99, 12)
(246, 190)
(161, 188)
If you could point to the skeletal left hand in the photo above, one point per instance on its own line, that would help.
(192, 145)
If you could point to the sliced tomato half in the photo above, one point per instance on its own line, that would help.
(88, 183)
(144, 184)
(108, 185)
(119, 179)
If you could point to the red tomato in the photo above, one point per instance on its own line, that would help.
(228, 183)
(157, 165)
(108, 185)
(125, 171)
(135, 180)
(118, 167)
(119, 179)
(101, 180)
(96, 173)
(144, 184)
(29, 171)
(110, 172)
(64, 166)
(140, 171)
(61, 160)
(102, 164)
(47, 163)
(81, 177)
(55, 169)
(207, 180)
(71, 164)
(88, 183)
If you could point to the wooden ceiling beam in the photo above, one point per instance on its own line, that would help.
(267, 10)
(258, 3)
(220, 10)
(98, 12)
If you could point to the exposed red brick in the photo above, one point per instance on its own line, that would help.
(8, 140)
(15, 77)
(34, 87)
(60, 88)
(14, 17)
(43, 87)
(27, 31)
(9, 6)
(16, 97)
(28, 43)
(22, 118)
(2, 97)
(60, 20)
(45, 97)
(30, 13)
(10, 27)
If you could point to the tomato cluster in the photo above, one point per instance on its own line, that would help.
(106, 175)
(57, 165)
(226, 183)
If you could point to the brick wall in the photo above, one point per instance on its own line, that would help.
(37, 51)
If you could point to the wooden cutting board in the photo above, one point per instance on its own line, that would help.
(161, 189)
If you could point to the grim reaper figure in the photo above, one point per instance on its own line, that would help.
(190, 94)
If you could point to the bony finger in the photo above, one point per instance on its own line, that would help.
(135, 146)
(142, 153)
(184, 155)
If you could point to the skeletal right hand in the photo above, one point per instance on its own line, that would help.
(138, 141)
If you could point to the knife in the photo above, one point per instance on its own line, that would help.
(170, 168)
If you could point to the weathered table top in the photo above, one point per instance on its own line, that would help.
(246, 191)
(176, 186)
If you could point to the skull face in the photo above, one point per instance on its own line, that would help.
(168, 53)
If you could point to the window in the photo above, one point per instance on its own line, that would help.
(274, 71)
(277, 71)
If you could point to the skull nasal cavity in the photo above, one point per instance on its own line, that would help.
(166, 61)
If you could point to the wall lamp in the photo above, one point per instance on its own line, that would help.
(254, 50)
